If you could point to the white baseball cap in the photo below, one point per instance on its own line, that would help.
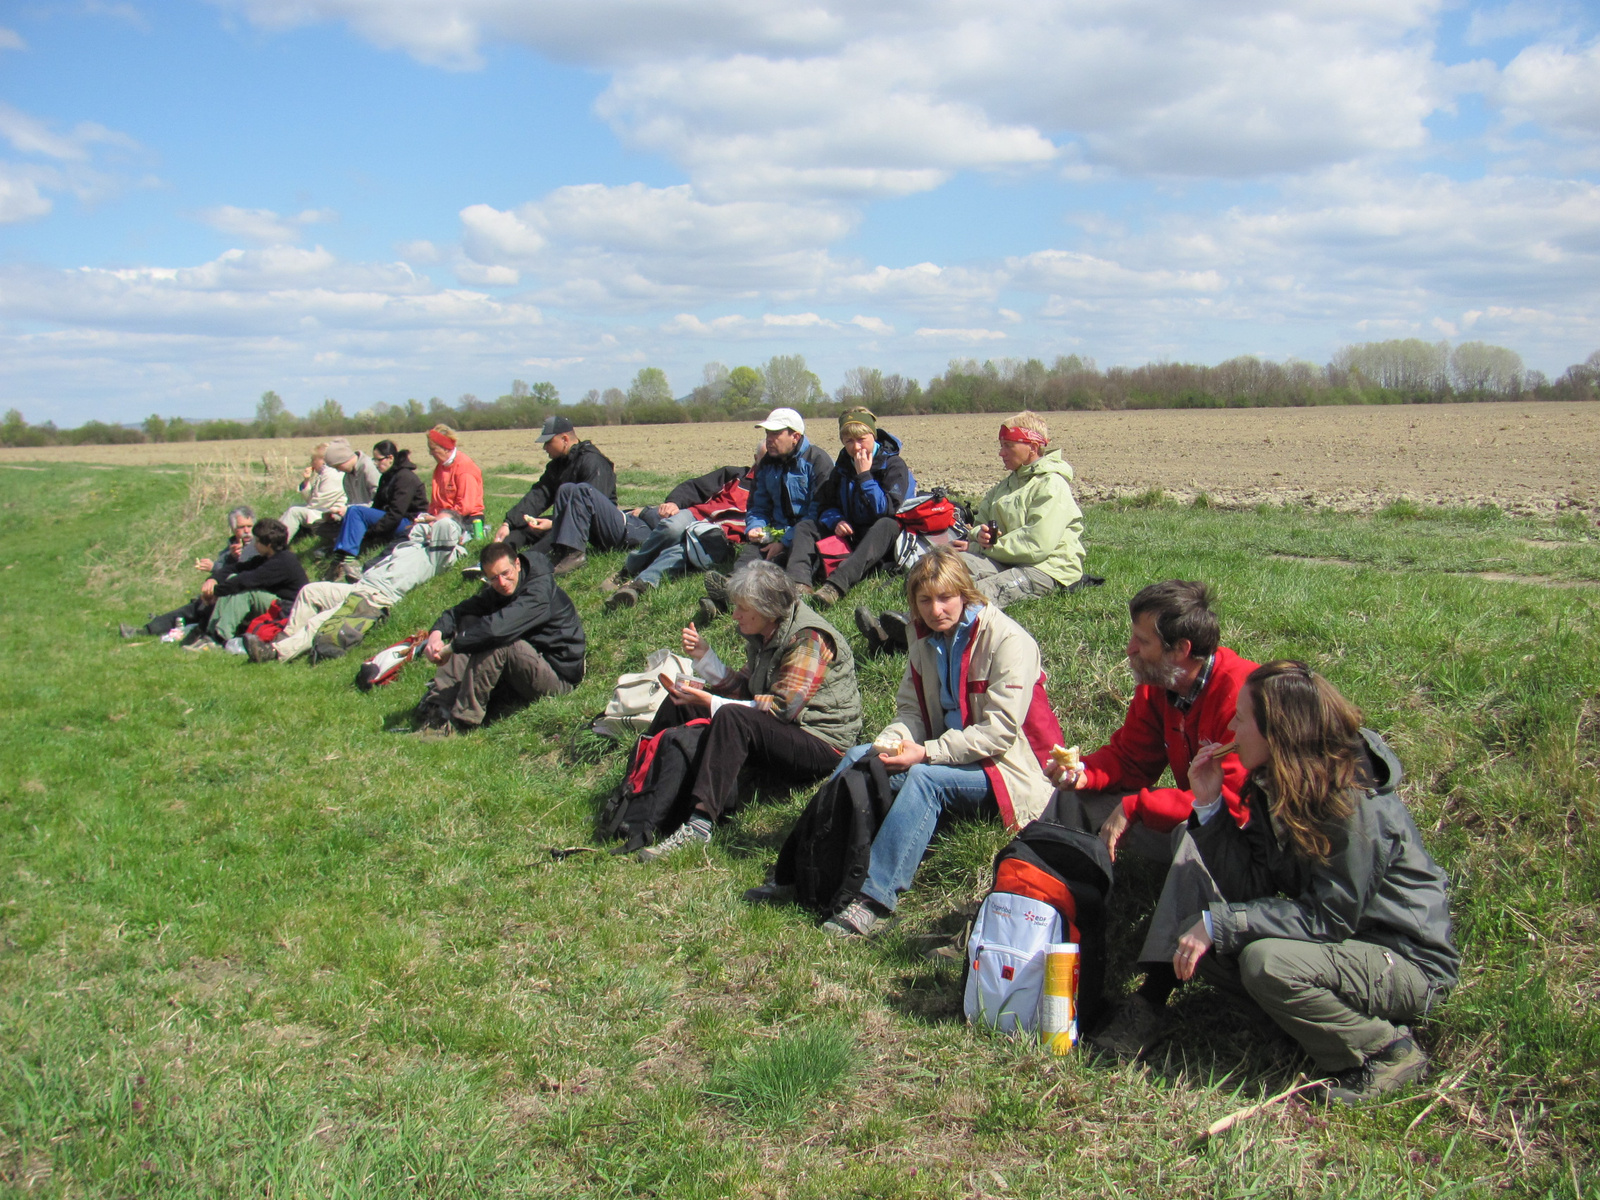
(783, 418)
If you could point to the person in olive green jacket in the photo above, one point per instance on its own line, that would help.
(788, 714)
(1027, 537)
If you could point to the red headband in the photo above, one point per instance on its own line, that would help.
(1011, 433)
(441, 440)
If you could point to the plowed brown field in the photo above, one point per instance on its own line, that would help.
(1527, 458)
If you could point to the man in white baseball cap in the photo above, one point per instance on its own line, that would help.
(786, 491)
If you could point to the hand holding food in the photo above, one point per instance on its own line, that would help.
(1066, 766)
(888, 742)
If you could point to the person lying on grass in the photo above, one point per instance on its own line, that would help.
(350, 609)
(1186, 686)
(572, 461)
(517, 639)
(1349, 940)
(193, 616)
(969, 700)
(786, 716)
(696, 526)
(247, 591)
(1028, 536)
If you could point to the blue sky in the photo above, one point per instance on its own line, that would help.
(380, 199)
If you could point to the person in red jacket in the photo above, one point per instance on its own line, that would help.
(1187, 688)
(457, 481)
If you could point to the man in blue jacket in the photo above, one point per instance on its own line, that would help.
(858, 504)
(787, 491)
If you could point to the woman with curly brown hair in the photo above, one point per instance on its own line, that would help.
(1352, 936)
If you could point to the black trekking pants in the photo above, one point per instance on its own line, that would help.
(868, 552)
(744, 744)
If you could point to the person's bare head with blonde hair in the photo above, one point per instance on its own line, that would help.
(941, 571)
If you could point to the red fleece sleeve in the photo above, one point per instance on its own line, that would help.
(1136, 754)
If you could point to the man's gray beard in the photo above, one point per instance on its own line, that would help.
(1163, 675)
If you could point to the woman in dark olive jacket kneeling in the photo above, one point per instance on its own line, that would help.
(1355, 941)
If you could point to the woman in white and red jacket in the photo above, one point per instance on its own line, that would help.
(974, 725)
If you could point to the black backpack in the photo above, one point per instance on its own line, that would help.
(827, 853)
(653, 795)
(1070, 869)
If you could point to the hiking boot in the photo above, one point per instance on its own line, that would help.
(717, 589)
(437, 732)
(1133, 1029)
(804, 589)
(770, 893)
(130, 631)
(610, 584)
(826, 596)
(896, 628)
(855, 919)
(696, 831)
(627, 596)
(258, 650)
(570, 562)
(1401, 1062)
(350, 569)
(707, 613)
(877, 639)
(472, 574)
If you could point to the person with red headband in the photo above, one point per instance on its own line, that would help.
(457, 482)
(1028, 535)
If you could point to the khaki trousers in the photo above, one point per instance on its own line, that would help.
(465, 682)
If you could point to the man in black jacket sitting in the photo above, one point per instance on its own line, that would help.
(573, 463)
(520, 632)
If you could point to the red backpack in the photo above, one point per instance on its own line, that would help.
(933, 513)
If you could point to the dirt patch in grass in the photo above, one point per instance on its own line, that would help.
(1527, 458)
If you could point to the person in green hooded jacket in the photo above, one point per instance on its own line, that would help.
(1027, 537)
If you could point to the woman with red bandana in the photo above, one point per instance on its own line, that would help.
(457, 482)
(1028, 536)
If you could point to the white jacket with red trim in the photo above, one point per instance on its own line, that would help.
(1007, 724)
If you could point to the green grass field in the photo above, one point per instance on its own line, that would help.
(255, 945)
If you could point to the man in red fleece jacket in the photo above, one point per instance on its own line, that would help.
(1187, 688)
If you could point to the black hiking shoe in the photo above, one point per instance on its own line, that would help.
(569, 562)
(1133, 1028)
(877, 639)
(717, 589)
(1401, 1062)
(896, 627)
(258, 650)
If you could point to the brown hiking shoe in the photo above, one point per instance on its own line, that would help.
(570, 562)
(1133, 1028)
(826, 596)
(1401, 1062)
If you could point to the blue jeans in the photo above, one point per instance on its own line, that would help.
(920, 796)
(359, 518)
(661, 554)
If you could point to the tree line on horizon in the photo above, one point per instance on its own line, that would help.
(1398, 371)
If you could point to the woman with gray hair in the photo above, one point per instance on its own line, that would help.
(786, 715)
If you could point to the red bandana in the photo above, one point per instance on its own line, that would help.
(1010, 433)
(440, 440)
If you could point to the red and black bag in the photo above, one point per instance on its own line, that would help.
(653, 796)
(269, 626)
(931, 513)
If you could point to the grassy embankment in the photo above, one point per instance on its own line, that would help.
(255, 945)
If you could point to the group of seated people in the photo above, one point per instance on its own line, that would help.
(1296, 881)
